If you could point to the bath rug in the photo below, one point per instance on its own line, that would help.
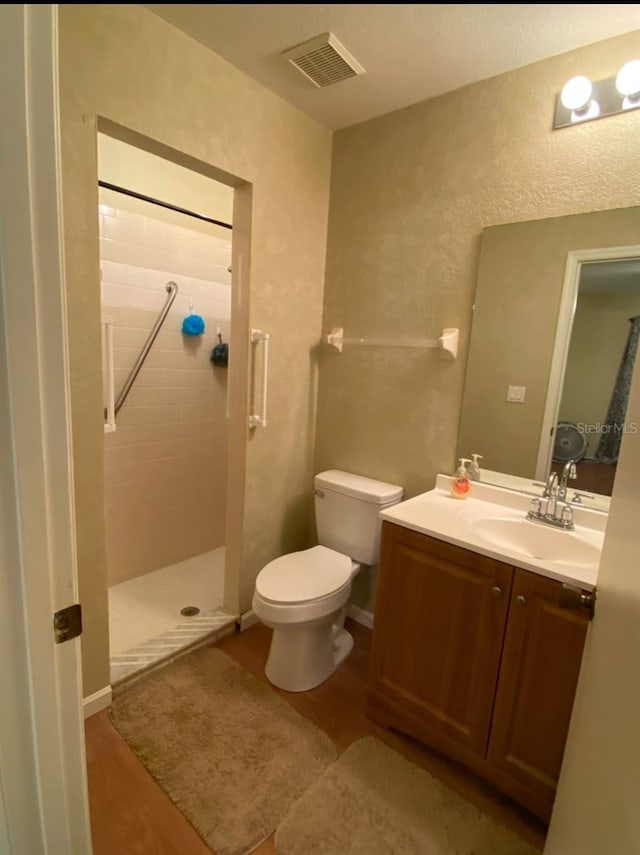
(374, 802)
(230, 753)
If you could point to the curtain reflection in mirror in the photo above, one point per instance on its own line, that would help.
(614, 426)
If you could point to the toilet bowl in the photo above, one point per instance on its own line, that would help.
(303, 595)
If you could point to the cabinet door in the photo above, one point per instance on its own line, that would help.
(439, 627)
(540, 666)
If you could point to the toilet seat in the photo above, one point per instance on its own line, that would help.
(305, 577)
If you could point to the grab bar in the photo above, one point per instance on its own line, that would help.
(109, 412)
(172, 290)
(260, 419)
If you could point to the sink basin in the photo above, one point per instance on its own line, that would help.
(580, 549)
(493, 522)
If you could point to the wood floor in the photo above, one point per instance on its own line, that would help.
(131, 815)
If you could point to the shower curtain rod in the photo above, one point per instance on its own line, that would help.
(107, 186)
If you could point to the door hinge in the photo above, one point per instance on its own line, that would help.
(67, 623)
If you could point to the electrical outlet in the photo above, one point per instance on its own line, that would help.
(515, 394)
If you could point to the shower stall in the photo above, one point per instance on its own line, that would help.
(165, 440)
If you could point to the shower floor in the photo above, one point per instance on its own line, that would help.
(145, 624)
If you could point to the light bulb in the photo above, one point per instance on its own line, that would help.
(576, 93)
(628, 84)
(628, 79)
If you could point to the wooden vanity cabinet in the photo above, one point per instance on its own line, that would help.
(438, 633)
(538, 677)
(477, 659)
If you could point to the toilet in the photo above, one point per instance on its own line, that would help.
(303, 596)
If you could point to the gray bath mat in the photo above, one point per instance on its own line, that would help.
(228, 751)
(374, 802)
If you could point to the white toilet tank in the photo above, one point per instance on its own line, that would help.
(347, 508)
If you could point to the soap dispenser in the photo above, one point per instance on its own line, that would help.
(461, 486)
(474, 467)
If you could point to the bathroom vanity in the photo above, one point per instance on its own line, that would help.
(480, 623)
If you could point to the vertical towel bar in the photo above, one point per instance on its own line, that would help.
(260, 419)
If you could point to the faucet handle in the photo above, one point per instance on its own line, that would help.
(535, 509)
(579, 496)
(567, 516)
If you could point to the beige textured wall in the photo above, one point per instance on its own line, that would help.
(411, 193)
(127, 66)
(519, 285)
(598, 338)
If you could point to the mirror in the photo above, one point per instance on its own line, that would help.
(538, 283)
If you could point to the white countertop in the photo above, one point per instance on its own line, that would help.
(462, 522)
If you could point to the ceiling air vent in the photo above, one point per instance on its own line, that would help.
(323, 60)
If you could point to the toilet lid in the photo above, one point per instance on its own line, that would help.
(303, 576)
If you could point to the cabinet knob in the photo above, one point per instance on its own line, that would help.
(496, 591)
(521, 599)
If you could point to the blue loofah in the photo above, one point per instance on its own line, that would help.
(193, 325)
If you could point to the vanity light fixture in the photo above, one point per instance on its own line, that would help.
(581, 100)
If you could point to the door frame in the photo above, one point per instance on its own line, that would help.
(566, 313)
(240, 373)
(43, 780)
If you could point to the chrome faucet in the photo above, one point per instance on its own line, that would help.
(553, 508)
(569, 471)
(551, 486)
(551, 495)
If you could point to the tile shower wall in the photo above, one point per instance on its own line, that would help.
(165, 465)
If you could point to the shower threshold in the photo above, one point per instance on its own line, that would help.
(187, 635)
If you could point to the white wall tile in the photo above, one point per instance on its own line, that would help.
(171, 435)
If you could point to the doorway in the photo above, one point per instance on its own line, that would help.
(601, 353)
(600, 296)
(166, 282)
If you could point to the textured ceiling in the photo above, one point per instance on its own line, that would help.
(410, 51)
